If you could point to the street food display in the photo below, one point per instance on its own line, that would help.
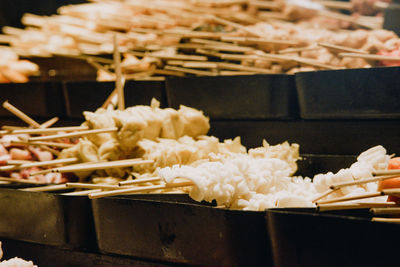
(208, 38)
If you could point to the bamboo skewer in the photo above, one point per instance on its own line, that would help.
(74, 134)
(119, 83)
(38, 164)
(335, 4)
(20, 115)
(94, 186)
(388, 220)
(351, 206)
(46, 188)
(326, 193)
(252, 40)
(138, 189)
(363, 181)
(341, 48)
(45, 130)
(385, 211)
(370, 57)
(387, 172)
(18, 162)
(22, 181)
(49, 123)
(81, 193)
(139, 181)
(42, 143)
(231, 66)
(342, 199)
(191, 71)
(96, 166)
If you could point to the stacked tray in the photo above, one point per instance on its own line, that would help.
(304, 237)
(175, 229)
(88, 95)
(349, 94)
(264, 96)
(46, 218)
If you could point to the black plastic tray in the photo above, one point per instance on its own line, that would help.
(59, 68)
(350, 94)
(264, 96)
(34, 98)
(306, 238)
(90, 95)
(174, 229)
(392, 18)
(46, 218)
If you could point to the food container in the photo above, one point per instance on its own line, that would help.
(371, 93)
(392, 17)
(90, 95)
(59, 68)
(173, 228)
(304, 237)
(46, 218)
(37, 99)
(263, 96)
(333, 137)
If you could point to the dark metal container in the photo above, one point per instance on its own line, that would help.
(37, 99)
(172, 228)
(90, 95)
(304, 237)
(46, 218)
(264, 96)
(350, 94)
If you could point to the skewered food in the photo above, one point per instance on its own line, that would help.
(13, 69)
(161, 37)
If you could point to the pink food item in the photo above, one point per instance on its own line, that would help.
(19, 154)
(394, 53)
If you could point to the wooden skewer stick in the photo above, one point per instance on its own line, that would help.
(265, 4)
(201, 65)
(20, 115)
(326, 193)
(341, 48)
(138, 189)
(140, 181)
(363, 181)
(49, 123)
(392, 192)
(22, 181)
(335, 4)
(13, 128)
(388, 220)
(231, 66)
(46, 131)
(234, 25)
(18, 162)
(97, 166)
(252, 40)
(351, 206)
(39, 164)
(42, 143)
(298, 49)
(361, 196)
(385, 211)
(95, 186)
(57, 187)
(75, 134)
(370, 57)
(81, 193)
(119, 83)
(109, 98)
(191, 71)
(387, 172)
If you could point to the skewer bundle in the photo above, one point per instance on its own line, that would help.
(150, 34)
